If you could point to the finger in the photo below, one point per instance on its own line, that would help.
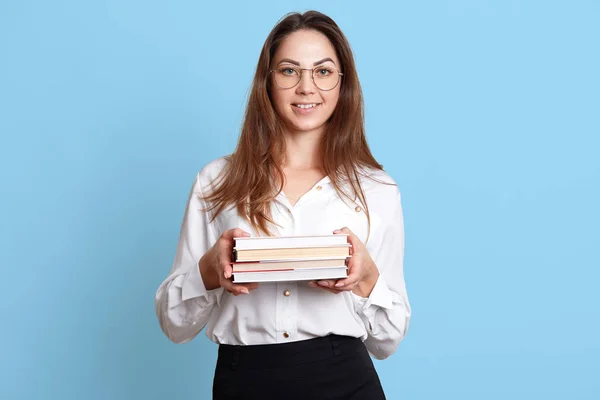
(344, 230)
(326, 282)
(250, 286)
(234, 233)
(331, 290)
(226, 242)
(354, 240)
(329, 285)
(235, 288)
(227, 269)
(345, 284)
(349, 281)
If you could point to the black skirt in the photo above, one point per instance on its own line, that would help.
(331, 367)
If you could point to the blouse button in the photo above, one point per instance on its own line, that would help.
(286, 293)
(286, 335)
(357, 209)
(319, 187)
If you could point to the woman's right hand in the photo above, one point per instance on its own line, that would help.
(215, 265)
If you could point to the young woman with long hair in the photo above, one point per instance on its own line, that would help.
(302, 166)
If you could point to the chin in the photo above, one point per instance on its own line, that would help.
(304, 126)
(307, 127)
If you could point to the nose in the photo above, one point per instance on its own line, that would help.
(306, 84)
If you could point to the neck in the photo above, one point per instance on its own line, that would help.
(303, 150)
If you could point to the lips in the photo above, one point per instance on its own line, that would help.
(306, 106)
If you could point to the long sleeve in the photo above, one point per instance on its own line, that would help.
(386, 312)
(183, 304)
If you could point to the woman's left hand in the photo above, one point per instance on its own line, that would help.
(362, 271)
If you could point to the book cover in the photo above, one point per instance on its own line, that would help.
(292, 275)
(272, 242)
(287, 265)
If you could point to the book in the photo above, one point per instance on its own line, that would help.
(281, 254)
(288, 242)
(287, 265)
(305, 274)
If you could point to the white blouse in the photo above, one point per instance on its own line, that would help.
(282, 312)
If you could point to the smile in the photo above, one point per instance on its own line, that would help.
(305, 106)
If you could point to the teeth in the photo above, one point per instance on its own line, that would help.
(306, 105)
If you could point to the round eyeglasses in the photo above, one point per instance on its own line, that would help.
(324, 77)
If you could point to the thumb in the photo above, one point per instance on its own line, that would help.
(345, 230)
(352, 238)
(235, 233)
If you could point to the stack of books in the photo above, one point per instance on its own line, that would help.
(290, 258)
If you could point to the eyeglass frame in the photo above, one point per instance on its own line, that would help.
(312, 77)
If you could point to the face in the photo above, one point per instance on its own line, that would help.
(305, 107)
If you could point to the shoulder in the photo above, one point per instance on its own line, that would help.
(378, 182)
(376, 175)
(381, 192)
(210, 174)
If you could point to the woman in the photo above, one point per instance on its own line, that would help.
(302, 166)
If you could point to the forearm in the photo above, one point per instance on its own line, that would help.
(208, 273)
(365, 286)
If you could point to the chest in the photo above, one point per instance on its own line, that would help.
(319, 212)
(299, 183)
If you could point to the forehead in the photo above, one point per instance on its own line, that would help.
(306, 46)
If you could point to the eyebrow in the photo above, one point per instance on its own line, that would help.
(298, 64)
(324, 60)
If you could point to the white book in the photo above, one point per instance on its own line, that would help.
(286, 265)
(292, 253)
(289, 242)
(305, 274)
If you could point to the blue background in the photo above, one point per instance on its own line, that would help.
(487, 113)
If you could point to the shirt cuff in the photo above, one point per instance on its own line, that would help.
(193, 285)
(380, 296)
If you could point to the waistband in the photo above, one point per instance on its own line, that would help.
(274, 355)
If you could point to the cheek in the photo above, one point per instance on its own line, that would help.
(331, 98)
(331, 101)
(279, 101)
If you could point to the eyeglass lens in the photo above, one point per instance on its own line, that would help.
(324, 77)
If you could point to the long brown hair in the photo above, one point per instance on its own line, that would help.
(253, 175)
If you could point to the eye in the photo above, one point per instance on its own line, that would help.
(289, 71)
(323, 72)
